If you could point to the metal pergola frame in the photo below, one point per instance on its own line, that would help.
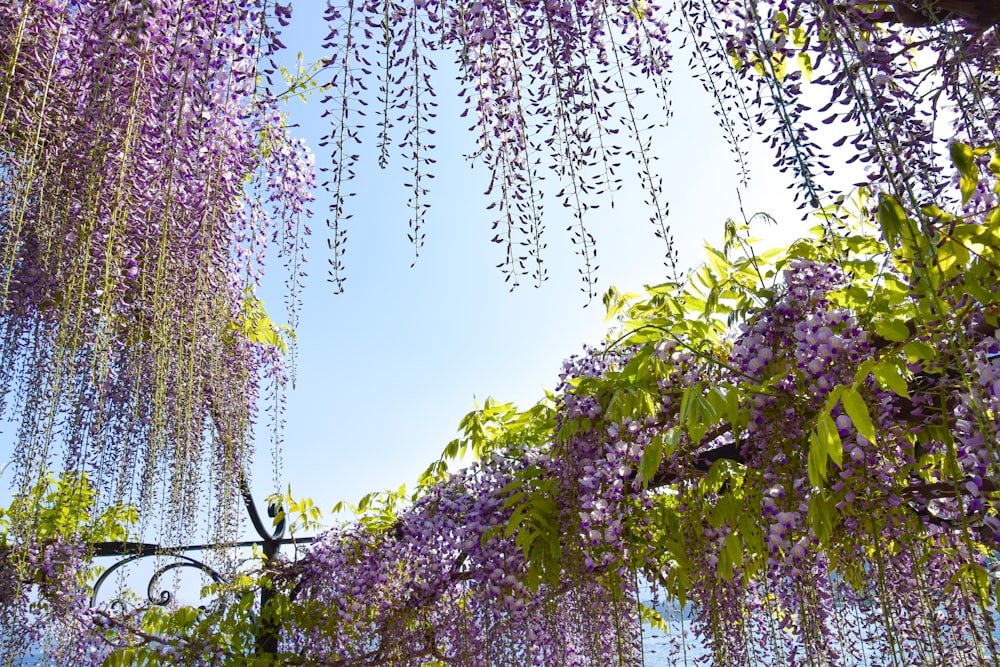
(270, 543)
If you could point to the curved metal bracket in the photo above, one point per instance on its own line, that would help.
(272, 540)
(164, 597)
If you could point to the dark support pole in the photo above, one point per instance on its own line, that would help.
(268, 632)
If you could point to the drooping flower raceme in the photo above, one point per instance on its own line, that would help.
(130, 243)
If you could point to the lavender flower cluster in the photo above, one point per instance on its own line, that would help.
(884, 105)
(42, 593)
(544, 82)
(554, 87)
(130, 239)
(448, 582)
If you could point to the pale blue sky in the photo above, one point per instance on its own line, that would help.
(387, 369)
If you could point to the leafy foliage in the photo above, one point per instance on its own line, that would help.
(811, 476)
(45, 567)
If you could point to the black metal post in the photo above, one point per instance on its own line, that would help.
(268, 632)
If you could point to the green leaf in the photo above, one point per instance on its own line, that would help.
(651, 458)
(919, 351)
(733, 409)
(799, 36)
(616, 301)
(892, 330)
(718, 261)
(829, 438)
(649, 615)
(644, 335)
(856, 409)
(805, 64)
(888, 376)
(995, 165)
(832, 398)
(864, 370)
(964, 159)
(817, 462)
(952, 254)
(631, 371)
(732, 549)
(822, 516)
(977, 576)
(891, 219)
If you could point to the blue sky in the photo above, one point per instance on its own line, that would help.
(387, 369)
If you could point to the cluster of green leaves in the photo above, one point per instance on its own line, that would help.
(377, 511)
(46, 534)
(300, 514)
(495, 427)
(301, 79)
(64, 507)
(775, 64)
(905, 272)
(256, 326)
(533, 499)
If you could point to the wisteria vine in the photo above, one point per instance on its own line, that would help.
(143, 173)
(819, 483)
(815, 485)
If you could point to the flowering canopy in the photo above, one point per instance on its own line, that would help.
(820, 482)
(137, 158)
(560, 85)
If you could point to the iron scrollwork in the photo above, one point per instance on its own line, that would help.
(270, 543)
(145, 551)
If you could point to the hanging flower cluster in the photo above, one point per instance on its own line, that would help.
(42, 593)
(556, 86)
(897, 75)
(446, 581)
(140, 173)
(544, 83)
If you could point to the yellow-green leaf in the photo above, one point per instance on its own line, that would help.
(892, 330)
(889, 377)
(829, 438)
(817, 462)
(651, 457)
(919, 351)
(891, 219)
(965, 161)
(856, 409)
(822, 514)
